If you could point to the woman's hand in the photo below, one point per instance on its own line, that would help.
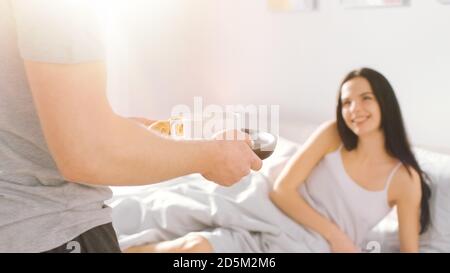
(341, 243)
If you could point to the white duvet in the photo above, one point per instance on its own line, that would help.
(236, 219)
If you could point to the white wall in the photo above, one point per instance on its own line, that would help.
(238, 52)
(158, 54)
(298, 59)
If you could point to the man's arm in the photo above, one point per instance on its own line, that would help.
(91, 144)
(143, 121)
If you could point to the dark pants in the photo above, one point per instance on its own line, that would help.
(101, 239)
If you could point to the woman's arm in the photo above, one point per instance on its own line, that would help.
(285, 192)
(407, 193)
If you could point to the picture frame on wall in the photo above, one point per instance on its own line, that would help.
(292, 5)
(353, 4)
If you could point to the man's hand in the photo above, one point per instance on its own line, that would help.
(231, 158)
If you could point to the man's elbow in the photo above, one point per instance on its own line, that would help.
(76, 168)
(74, 172)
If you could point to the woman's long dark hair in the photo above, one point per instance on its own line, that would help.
(396, 140)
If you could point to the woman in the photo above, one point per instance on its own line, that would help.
(349, 174)
(368, 143)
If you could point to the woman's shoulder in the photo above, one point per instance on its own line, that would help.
(327, 135)
(406, 184)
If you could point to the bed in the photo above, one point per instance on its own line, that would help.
(242, 218)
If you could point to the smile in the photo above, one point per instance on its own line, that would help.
(360, 119)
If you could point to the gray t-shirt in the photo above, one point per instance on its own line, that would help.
(38, 209)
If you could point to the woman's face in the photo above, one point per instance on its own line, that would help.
(360, 109)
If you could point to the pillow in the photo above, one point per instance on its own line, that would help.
(437, 166)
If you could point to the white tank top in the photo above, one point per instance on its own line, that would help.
(332, 192)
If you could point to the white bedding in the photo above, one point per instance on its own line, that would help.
(242, 218)
(236, 219)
